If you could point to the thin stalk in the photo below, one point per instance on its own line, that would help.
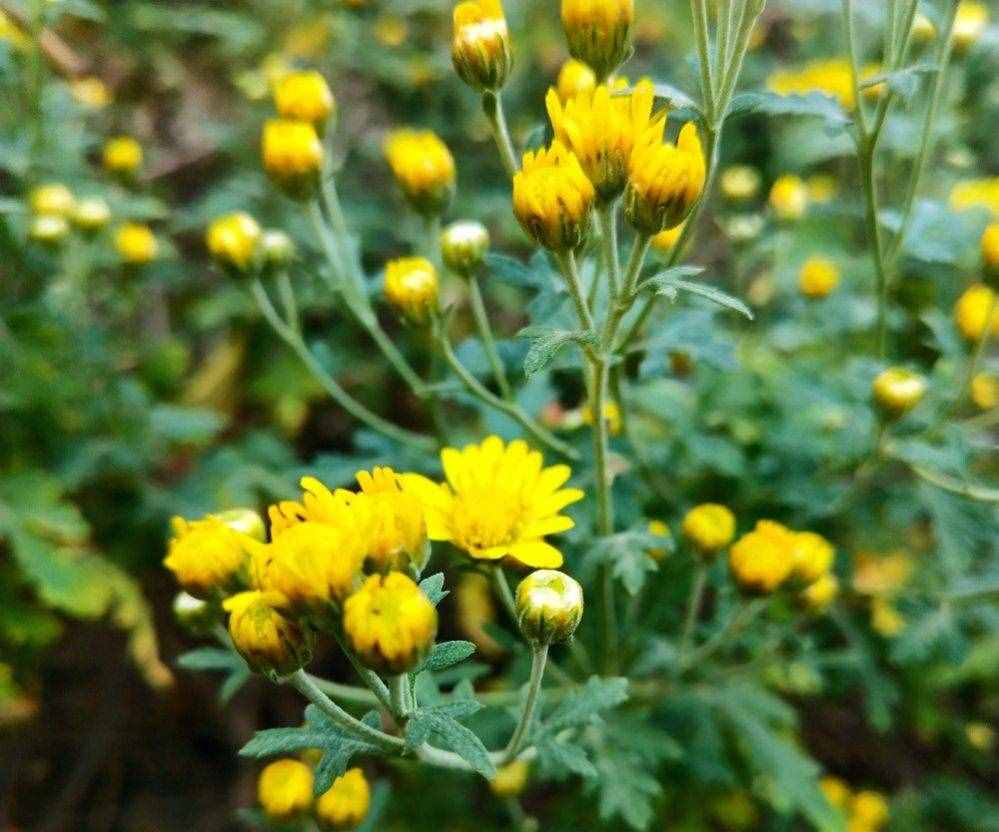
(346, 693)
(851, 49)
(302, 682)
(570, 270)
(866, 161)
(926, 138)
(288, 301)
(693, 607)
(699, 14)
(503, 591)
(492, 105)
(399, 688)
(510, 408)
(735, 625)
(486, 335)
(374, 682)
(539, 657)
(626, 297)
(330, 385)
(723, 23)
(607, 224)
(351, 287)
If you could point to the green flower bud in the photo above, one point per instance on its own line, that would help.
(549, 606)
(463, 246)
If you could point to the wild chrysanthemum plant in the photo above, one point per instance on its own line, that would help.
(698, 652)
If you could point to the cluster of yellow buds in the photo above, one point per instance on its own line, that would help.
(423, 167)
(898, 390)
(865, 810)
(480, 47)
(763, 559)
(240, 247)
(55, 210)
(285, 791)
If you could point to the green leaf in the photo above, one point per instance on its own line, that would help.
(627, 790)
(210, 658)
(666, 275)
(902, 82)
(815, 105)
(433, 588)
(670, 287)
(676, 98)
(561, 759)
(507, 270)
(627, 553)
(584, 705)
(441, 723)
(546, 343)
(447, 653)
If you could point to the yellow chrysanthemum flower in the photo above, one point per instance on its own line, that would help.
(292, 155)
(509, 780)
(789, 197)
(207, 555)
(573, 78)
(136, 244)
(868, 811)
(304, 96)
(740, 182)
(54, 199)
(972, 18)
(898, 390)
(423, 167)
(122, 155)
(411, 287)
(480, 44)
(761, 560)
(976, 193)
(599, 32)
(835, 791)
(90, 92)
(271, 642)
(284, 789)
(391, 521)
(886, 620)
(832, 77)
(975, 309)
(813, 556)
(389, 623)
(499, 501)
(819, 594)
(233, 240)
(710, 527)
(818, 277)
(312, 565)
(553, 198)
(601, 129)
(665, 181)
(985, 391)
(345, 804)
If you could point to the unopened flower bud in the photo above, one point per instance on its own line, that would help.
(292, 156)
(136, 244)
(819, 594)
(345, 804)
(549, 606)
(710, 527)
(480, 45)
(510, 779)
(573, 78)
(207, 556)
(411, 287)
(423, 167)
(272, 643)
(304, 96)
(969, 24)
(761, 560)
(284, 789)
(278, 248)
(389, 623)
(233, 242)
(91, 215)
(977, 310)
(464, 245)
(122, 155)
(48, 229)
(665, 181)
(599, 32)
(897, 391)
(818, 277)
(552, 198)
(54, 199)
(789, 198)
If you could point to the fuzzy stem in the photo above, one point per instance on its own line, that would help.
(486, 334)
(539, 658)
(492, 105)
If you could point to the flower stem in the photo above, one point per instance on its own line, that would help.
(607, 223)
(294, 340)
(736, 623)
(510, 408)
(693, 607)
(539, 657)
(503, 590)
(302, 682)
(401, 706)
(486, 334)
(492, 105)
